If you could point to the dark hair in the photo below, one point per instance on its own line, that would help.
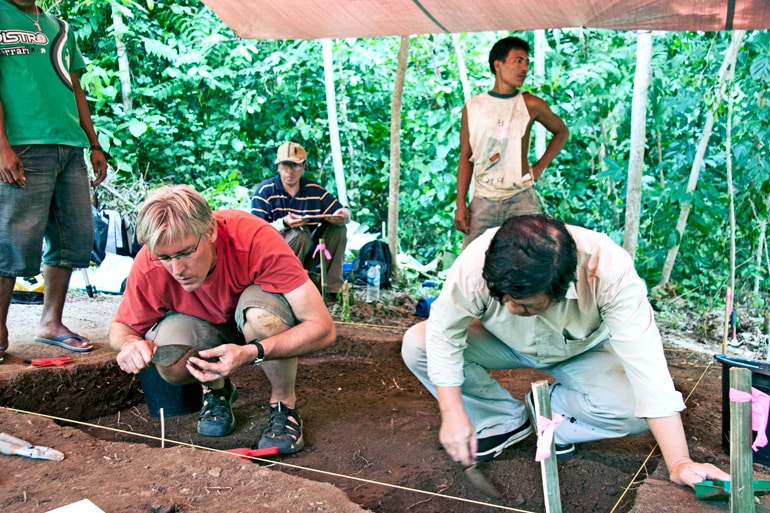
(529, 255)
(502, 48)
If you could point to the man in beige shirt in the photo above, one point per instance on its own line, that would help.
(536, 293)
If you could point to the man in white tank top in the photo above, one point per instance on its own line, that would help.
(494, 145)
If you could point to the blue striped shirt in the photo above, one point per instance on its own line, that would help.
(272, 202)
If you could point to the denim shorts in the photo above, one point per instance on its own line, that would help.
(54, 206)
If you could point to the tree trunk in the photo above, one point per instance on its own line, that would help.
(334, 129)
(760, 249)
(726, 71)
(730, 190)
(395, 150)
(638, 136)
(731, 217)
(541, 47)
(462, 70)
(124, 73)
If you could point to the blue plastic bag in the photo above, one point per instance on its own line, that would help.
(422, 309)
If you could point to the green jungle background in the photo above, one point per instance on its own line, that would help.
(209, 109)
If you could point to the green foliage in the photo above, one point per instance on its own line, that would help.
(685, 71)
(210, 109)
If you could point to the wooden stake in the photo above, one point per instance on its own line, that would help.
(541, 396)
(345, 291)
(162, 430)
(741, 458)
(766, 333)
(322, 262)
(728, 309)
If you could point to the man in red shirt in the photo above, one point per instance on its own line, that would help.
(226, 283)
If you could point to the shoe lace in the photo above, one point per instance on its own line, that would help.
(279, 426)
(214, 403)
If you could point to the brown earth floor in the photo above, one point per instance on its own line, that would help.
(370, 434)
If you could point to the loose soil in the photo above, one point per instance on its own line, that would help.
(371, 435)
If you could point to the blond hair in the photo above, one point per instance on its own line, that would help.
(171, 214)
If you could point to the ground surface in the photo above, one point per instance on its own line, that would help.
(370, 430)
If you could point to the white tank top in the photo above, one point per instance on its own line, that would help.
(496, 126)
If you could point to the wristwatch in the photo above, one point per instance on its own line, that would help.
(260, 353)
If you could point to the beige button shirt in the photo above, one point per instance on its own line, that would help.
(607, 302)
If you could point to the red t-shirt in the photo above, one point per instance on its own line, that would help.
(249, 251)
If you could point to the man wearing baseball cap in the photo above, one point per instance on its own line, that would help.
(304, 212)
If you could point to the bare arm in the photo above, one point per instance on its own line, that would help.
(542, 113)
(464, 175)
(669, 433)
(11, 169)
(98, 160)
(457, 433)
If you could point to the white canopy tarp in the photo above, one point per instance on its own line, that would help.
(317, 19)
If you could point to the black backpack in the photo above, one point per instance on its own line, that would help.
(372, 253)
(113, 233)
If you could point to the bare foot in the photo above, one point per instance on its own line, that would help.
(3, 342)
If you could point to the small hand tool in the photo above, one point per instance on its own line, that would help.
(481, 482)
(11, 446)
(246, 453)
(45, 362)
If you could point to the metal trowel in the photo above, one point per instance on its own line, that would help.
(11, 446)
(481, 482)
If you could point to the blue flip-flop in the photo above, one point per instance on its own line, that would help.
(59, 341)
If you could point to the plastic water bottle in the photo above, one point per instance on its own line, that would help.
(373, 284)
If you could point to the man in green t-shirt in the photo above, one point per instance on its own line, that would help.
(45, 124)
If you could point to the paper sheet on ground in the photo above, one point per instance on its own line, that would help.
(84, 506)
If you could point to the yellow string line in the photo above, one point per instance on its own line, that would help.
(379, 326)
(655, 447)
(271, 462)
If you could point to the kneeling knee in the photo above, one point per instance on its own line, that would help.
(413, 346)
(263, 323)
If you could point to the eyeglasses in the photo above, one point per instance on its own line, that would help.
(182, 255)
(293, 165)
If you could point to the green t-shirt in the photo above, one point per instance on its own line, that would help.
(35, 85)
